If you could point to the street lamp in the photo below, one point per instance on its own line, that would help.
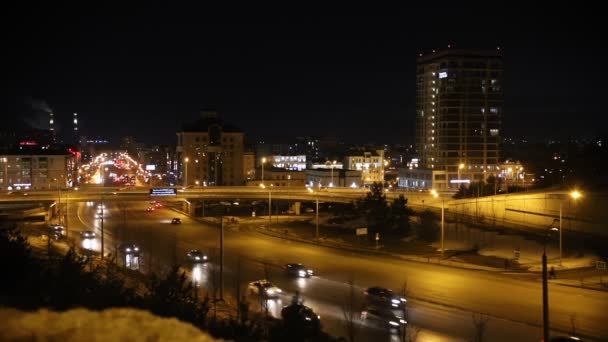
(186, 160)
(333, 163)
(263, 162)
(317, 212)
(269, 202)
(435, 194)
(545, 286)
(460, 167)
(226, 208)
(574, 195)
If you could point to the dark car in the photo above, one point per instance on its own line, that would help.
(196, 256)
(300, 316)
(128, 248)
(382, 318)
(381, 296)
(176, 220)
(298, 270)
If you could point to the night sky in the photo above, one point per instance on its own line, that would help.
(280, 72)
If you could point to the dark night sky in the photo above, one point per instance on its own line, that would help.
(279, 72)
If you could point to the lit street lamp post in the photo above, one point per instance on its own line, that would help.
(269, 202)
(435, 194)
(317, 213)
(333, 163)
(186, 160)
(545, 288)
(460, 167)
(574, 195)
(225, 209)
(263, 162)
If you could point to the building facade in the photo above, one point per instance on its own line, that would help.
(280, 178)
(248, 165)
(41, 170)
(459, 108)
(371, 165)
(211, 152)
(333, 178)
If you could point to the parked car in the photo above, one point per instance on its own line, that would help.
(382, 296)
(176, 220)
(298, 270)
(264, 288)
(196, 256)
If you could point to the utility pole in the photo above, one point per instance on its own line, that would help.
(222, 256)
(317, 221)
(102, 209)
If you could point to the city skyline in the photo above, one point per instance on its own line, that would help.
(296, 74)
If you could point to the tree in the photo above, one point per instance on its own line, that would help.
(376, 210)
(400, 216)
(428, 228)
(350, 310)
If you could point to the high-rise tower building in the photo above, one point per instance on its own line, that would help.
(459, 104)
(211, 152)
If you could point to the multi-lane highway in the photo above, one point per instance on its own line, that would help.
(442, 299)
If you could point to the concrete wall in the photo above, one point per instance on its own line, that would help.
(537, 211)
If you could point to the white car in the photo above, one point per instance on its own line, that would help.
(264, 288)
(88, 234)
(309, 210)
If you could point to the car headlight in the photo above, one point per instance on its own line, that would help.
(393, 323)
(198, 258)
(128, 249)
(270, 291)
(395, 301)
(301, 273)
(309, 272)
(402, 321)
(308, 318)
(403, 300)
(136, 249)
(205, 257)
(279, 290)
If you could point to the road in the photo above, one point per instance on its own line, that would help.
(441, 299)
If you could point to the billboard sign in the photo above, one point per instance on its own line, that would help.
(163, 192)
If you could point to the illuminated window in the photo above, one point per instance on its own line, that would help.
(493, 132)
(494, 110)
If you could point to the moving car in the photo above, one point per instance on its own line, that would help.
(56, 231)
(87, 234)
(264, 288)
(298, 270)
(128, 248)
(196, 256)
(176, 220)
(158, 205)
(301, 316)
(150, 209)
(381, 296)
(382, 318)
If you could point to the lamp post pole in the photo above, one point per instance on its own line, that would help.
(186, 160)
(222, 256)
(545, 296)
(269, 207)
(102, 246)
(442, 224)
(263, 162)
(317, 219)
(560, 231)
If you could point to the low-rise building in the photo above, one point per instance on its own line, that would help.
(371, 165)
(333, 178)
(248, 165)
(36, 170)
(423, 179)
(280, 178)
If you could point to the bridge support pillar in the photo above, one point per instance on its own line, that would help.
(296, 207)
